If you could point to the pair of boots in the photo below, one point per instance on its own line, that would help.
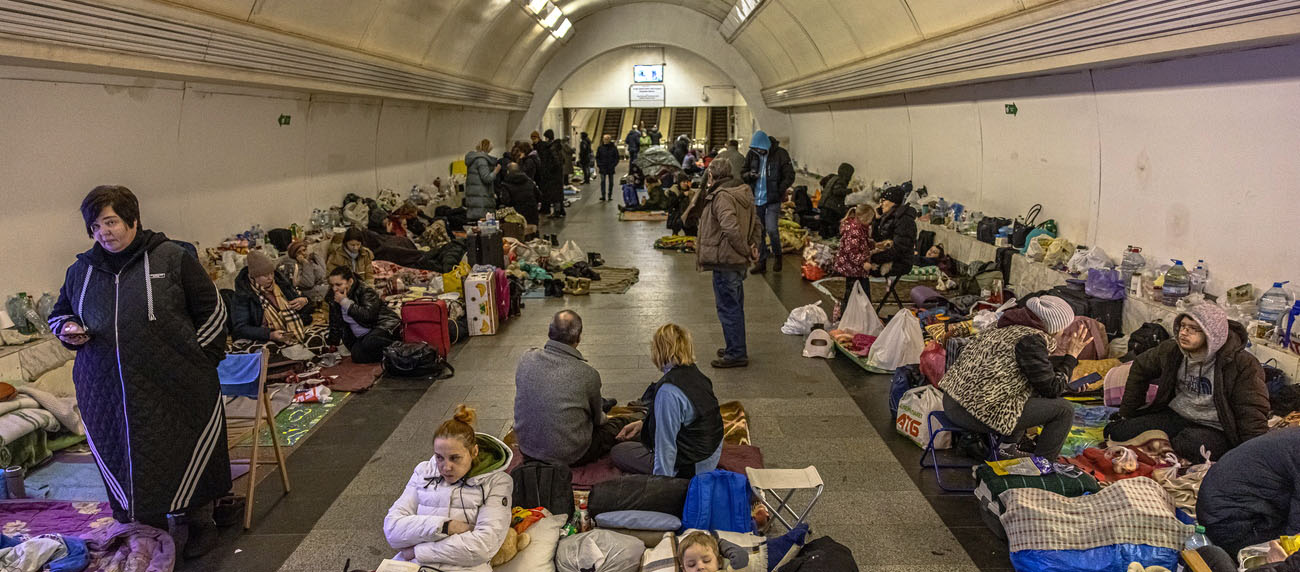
(594, 260)
(577, 286)
(554, 239)
(194, 532)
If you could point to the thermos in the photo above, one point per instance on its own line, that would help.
(14, 487)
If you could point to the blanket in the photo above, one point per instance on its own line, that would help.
(1133, 511)
(735, 458)
(614, 280)
(23, 415)
(350, 376)
(648, 216)
(113, 546)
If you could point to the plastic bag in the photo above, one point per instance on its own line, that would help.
(860, 316)
(1036, 248)
(899, 344)
(801, 319)
(1059, 252)
(1104, 283)
(934, 362)
(1101, 559)
(819, 344)
(356, 214)
(569, 254)
(905, 378)
(914, 415)
(986, 320)
(1089, 259)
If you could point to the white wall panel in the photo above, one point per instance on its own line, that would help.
(400, 149)
(946, 144)
(889, 140)
(341, 147)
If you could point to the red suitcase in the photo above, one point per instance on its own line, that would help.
(426, 321)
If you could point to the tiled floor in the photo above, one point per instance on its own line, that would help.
(803, 411)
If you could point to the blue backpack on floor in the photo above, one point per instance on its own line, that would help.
(630, 198)
(718, 500)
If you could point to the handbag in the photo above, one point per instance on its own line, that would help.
(987, 231)
(402, 359)
(1020, 231)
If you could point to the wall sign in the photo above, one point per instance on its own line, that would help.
(646, 95)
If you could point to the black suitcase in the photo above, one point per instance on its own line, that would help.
(486, 248)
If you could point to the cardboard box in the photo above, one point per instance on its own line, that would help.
(480, 304)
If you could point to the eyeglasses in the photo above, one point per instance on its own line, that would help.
(1190, 328)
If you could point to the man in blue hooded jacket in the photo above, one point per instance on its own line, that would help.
(770, 173)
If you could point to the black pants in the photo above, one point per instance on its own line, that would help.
(603, 439)
(1185, 436)
(849, 281)
(370, 348)
(586, 171)
(529, 212)
(607, 185)
(1055, 416)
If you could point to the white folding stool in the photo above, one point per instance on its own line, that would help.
(773, 481)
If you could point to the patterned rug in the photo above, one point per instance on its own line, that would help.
(298, 421)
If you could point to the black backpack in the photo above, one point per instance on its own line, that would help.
(1148, 336)
(538, 483)
(822, 555)
(402, 359)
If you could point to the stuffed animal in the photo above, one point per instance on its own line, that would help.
(514, 544)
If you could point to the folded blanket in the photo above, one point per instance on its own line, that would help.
(1132, 511)
(64, 409)
(22, 415)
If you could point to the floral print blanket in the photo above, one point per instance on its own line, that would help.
(114, 547)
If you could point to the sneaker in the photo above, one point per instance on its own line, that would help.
(1012, 451)
(724, 363)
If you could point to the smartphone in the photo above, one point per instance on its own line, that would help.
(1080, 385)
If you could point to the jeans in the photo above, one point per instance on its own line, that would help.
(607, 185)
(1054, 415)
(768, 215)
(729, 295)
(1185, 436)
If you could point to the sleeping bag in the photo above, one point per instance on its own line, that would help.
(1253, 493)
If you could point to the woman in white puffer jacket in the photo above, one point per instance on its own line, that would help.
(455, 510)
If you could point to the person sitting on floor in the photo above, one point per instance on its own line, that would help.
(266, 307)
(655, 197)
(1006, 381)
(306, 271)
(681, 435)
(1211, 390)
(852, 259)
(454, 513)
(679, 197)
(348, 250)
(360, 319)
(691, 163)
(559, 413)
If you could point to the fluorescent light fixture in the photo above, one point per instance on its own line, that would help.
(535, 6)
(737, 17)
(563, 29)
(552, 17)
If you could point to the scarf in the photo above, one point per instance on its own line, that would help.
(277, 314)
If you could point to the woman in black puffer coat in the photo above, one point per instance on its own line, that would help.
(359, 318)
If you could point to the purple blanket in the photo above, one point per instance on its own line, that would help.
(113, 546)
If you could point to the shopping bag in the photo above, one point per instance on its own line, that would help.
(914, 414)
(899, 344)
(934, 362)
(802, 319)
(1104, 283)
(1059, 252)
(819, 344)
(1082, 261)
(569, 254)
(860, 316)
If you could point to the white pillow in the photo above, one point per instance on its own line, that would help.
(540, 554)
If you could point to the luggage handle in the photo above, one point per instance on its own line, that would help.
(1032, 216)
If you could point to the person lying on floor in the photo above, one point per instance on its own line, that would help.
(1211, 390)
(455, 509)
(1006, 381)
(306, 271)
(360, 319)
(681, 435)
(348, 250)
(266, 307)
(559, 413)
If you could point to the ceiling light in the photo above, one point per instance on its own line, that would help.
(563, 29)
(552, 17)
(535, 6)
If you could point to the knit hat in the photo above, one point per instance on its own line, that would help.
(259, 264)
(1212, 320)
(894, 195)
(297, 246)
(1055, 313)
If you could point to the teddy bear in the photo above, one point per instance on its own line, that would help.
(515, 543)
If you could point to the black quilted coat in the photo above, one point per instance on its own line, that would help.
(147, 378)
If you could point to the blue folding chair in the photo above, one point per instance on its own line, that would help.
(244, 375)
(937, 422)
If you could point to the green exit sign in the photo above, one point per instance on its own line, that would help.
(283, 120)
(1011, 109)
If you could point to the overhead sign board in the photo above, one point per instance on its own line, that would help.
(646, 95)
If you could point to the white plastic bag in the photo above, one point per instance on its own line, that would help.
(899, 344)
(357, 214)
(569, 254)
(986, 320)
(801, 319)
(914, 416)
(1089, 259)
(819, 344)
(860, 316)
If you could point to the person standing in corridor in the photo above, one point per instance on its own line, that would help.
(728, 241)
(633, 145)
(606, 162)
(584, 157)
(769, 170)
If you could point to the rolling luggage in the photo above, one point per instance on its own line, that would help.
(427, 321)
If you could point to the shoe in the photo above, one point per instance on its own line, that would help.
(1012, 451)
(607, 404)
(759, 269)
(724, 363)
(229, 510)
(555, 239)
(203, 537)
(722, 352)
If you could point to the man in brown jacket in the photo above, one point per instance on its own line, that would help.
(727, 244)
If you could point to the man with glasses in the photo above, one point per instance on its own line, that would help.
(1211, 391)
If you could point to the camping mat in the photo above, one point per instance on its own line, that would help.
(861, 361)
(614, 280)
(735, 423)
(352, 377)
(834, 287)
(649, 216)
(298, 421)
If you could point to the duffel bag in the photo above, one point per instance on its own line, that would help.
(403, 359)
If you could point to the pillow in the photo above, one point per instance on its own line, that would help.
(599, 551)
(638, 520)
(650, 538)
(57, 381)
(539, 556)
(661, 558)
(43, 357)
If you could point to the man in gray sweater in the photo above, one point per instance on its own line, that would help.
(559, 414)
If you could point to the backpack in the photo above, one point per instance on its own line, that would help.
(980, 276)
(822, 555)
(905, 378)
(538, 483)
(1148, 336)
(402, 359)
(718, 500)
(630, 197)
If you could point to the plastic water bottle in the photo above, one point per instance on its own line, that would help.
(1177, 284)
(942, 207)
(45, 307)
(1200, 277)
(1272, 305)
(1197, 539)
(16, 307)
(1131, 264)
